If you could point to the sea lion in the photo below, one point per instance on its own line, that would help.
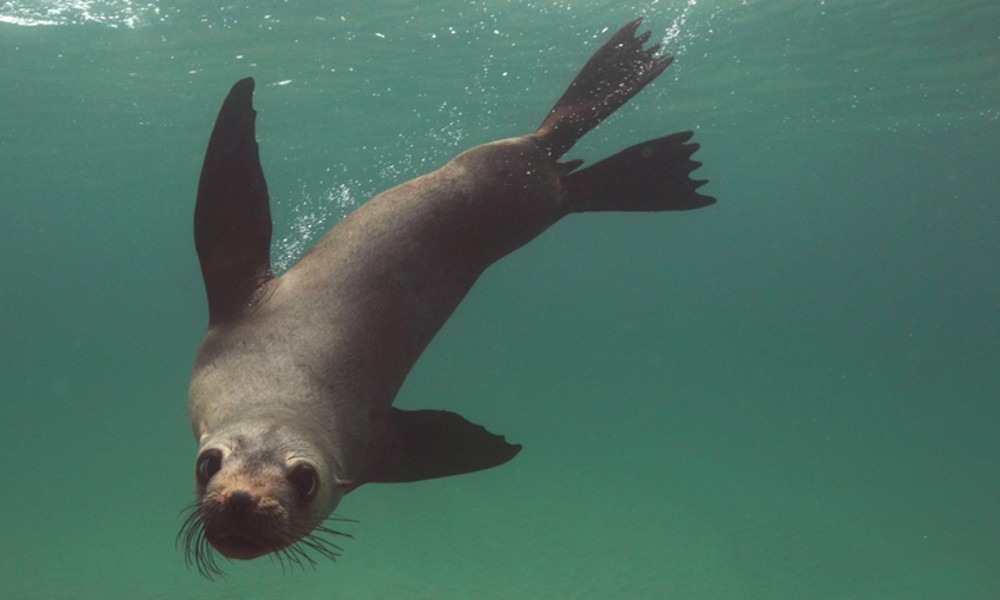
(291, 395)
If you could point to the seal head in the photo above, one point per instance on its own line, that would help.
(259, 493)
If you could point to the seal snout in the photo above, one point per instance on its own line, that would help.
(243, 525)
(240, 501)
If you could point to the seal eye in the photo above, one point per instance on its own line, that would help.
(209, 464)
(306, 481)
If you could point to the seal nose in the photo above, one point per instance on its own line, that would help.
(240, 501)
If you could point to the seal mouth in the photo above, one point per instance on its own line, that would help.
(241, 528)
(302, 549)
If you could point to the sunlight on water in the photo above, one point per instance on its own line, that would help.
(111, 13)
(678, 34)
(311, 216)
(674, 31)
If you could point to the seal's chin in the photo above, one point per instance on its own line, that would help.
(240, 547)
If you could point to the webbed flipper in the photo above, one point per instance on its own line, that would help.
(425, 444)
(232, 218)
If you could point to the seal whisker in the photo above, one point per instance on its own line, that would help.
(341, 519)
(302, 557)
(323, 547)
(329, 531)
(280, 556)
(310, 540)
(292, 555)
(198, 552)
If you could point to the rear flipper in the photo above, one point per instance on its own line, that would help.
(653, 175)
(617, 71)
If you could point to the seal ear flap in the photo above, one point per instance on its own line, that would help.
(232, 219)
(424, 444)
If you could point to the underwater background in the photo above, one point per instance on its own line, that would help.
(793, 394)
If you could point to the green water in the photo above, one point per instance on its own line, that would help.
(792, 394)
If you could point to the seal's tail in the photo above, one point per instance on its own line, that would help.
(653, 175)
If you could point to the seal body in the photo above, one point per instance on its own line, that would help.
(291, 395)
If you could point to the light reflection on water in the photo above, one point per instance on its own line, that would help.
(111, 13)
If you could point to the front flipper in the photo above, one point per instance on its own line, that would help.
(424, 444)
(232, 220)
